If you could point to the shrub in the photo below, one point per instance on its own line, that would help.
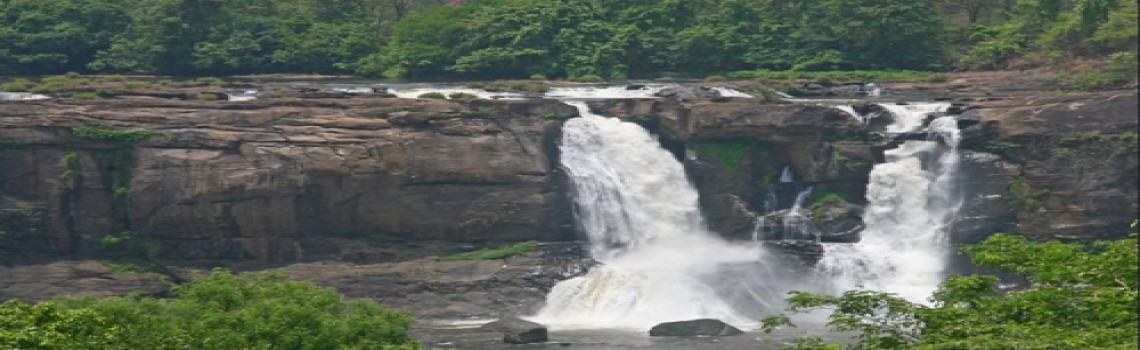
(477, 85)
(433, 95)
(1079, 296)
(588, 78)
(461, 96)
(494, 253)
(938, 78)
(132, 85)
(104, 93)
(537, 77)
(85, 95)
(121, 136)
(18, 85)
(42, 90)
(208, 96)
(210, 81)
(715, 78)
(218, 311)
(535, 87)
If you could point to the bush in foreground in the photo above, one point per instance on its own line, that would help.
(219, 311)
(1080, 296)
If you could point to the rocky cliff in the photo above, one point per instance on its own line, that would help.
(357, 191)
(276, 180)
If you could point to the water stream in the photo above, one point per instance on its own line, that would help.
(912, 199)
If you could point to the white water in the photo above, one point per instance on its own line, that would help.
(910, 117)
(659, 263)
(912, 199)
(21, 96)
(787, 176)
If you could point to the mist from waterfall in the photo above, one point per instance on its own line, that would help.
(658, 262)
(912, 199)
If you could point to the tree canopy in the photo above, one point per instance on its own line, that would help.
(558, 38)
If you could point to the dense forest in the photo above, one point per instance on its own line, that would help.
(561, 38)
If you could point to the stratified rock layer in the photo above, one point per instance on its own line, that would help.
(282, 180)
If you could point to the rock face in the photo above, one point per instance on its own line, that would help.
(454, 290)
(282, 180)
(518, 331)
(1068, 163)
(694, 328)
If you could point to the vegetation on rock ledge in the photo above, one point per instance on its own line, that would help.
(494, 253)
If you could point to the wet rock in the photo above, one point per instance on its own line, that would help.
(807, 252)
(789, 224)
(518, 331)
(632, 87)
(838, 222)
(689, 92)
(694, 328)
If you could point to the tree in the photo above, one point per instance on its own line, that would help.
(1080, 296)
(219, 311)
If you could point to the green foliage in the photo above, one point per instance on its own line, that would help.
(113, 135)
(217, 311)
(588, 78)
(608, 39)
(818, 205)
(494, 253)
(1023, 197)
(1080, 296)
(18, 85)
(729, 153)
(433, 95)
(461, 96)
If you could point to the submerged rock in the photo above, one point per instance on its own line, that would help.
(518, 331)
(695, 328)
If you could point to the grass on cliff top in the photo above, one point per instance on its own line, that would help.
(494, 253)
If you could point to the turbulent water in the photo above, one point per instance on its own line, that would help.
(912, 199)
(658, 261)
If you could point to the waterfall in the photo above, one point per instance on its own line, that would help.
(787, 176)
(802, 197)
(658, 261)
(912, 200)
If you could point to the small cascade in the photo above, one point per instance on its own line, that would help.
(787, 176)
(849, 109)
(912, 200)
(802, 197)
(911, 117)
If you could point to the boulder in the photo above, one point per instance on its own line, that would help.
(518, 331)
(695, 328)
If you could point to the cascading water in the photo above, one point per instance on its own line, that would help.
(658, 261)
(912, 200)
